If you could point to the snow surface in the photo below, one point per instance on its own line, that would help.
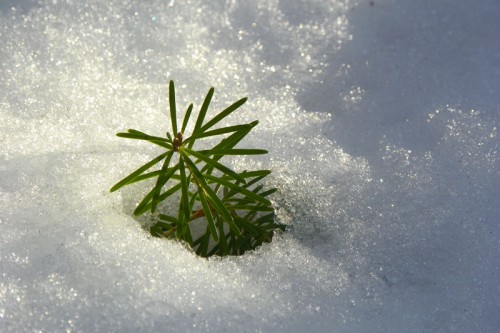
(381, 118)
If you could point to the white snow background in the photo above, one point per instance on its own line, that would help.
(381, 121)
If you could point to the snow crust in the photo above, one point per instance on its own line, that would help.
(381, 120)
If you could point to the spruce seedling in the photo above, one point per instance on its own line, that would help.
(234, 212)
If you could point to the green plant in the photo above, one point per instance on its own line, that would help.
(234, 211)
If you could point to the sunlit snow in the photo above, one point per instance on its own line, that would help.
(381, 119)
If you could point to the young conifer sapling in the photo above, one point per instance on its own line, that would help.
(231, 209)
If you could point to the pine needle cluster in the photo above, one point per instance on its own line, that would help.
(233, 209)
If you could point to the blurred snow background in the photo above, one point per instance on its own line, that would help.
(381, 118)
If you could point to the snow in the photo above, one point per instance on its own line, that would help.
(381, 118)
